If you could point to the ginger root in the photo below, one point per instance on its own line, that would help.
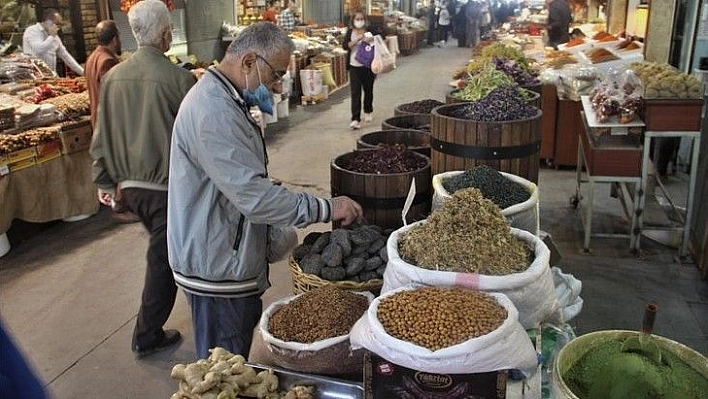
(211, 379)
(268, 385)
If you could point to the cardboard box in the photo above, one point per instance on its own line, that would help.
(387, 380)
(618, 159)
(76, 137)
(48, 151)
(14, 166)
(674, 115)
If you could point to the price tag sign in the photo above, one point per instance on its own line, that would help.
(409, 202)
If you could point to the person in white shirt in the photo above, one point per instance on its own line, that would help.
(443, 22)
(41, 41)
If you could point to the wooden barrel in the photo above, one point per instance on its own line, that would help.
(460, 144)
(407, 122)
(534, 100)
(537, 88)
(400, 111)
(414, 140)
(383, 195)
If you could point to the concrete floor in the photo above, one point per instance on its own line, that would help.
(69, 292)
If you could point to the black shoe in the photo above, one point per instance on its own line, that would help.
(170, 338)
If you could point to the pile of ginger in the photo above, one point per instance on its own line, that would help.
(224, 375)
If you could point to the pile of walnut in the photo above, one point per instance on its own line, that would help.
(226, 376)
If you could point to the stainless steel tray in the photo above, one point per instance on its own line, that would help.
(325, 387)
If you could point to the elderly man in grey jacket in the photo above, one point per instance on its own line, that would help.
(224, 214)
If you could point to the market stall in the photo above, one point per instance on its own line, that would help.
(45, 168)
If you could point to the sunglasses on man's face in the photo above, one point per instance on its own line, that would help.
(277, 75)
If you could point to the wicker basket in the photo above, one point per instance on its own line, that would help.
(304, 282)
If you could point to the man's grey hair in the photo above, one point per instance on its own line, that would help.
(148, 20)
(262, 38)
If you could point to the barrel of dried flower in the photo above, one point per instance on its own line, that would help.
(534, 97)
(383, 195)
(508, 146)
(414, 140)
(331, 356)
(407, 122)
(416, 107)
(531, 290)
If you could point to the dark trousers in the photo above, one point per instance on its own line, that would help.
(159, 289)
(224, 322)
(361, 78)
(444, 30)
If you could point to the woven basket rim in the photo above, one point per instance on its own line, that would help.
(315, 281)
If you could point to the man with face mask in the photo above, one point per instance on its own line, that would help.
(226, 219)
(138, 101)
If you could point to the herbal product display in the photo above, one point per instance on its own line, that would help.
(420, 107)
(665, 81)
(352, 254)
(501, 104)
(512, 68)
(607, 372)
(499, 50)
(436, 318)
(385, 161)
(225, 375)
(480, 85)
(493, 185)
(322, 313)
(469, 234)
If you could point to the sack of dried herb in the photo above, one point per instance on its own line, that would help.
(516, 196)
(309, 332)
(505, 347)
(467, 243)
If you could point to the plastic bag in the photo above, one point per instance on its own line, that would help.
(531, 291)
(365, 54)
(507, 347)
(281, 241)
(522, 216)
(567, 289)
(328, 356)
(384, 61)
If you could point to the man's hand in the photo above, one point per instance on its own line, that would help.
(346, 210)
(105, 196)
(52, 30)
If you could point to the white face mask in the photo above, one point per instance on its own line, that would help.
(359, 24)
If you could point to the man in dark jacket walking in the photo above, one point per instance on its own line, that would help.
(559, 19)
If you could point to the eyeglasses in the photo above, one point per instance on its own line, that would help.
(277, 75)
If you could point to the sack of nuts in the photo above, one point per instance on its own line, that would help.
(309, 332)
(446, 331)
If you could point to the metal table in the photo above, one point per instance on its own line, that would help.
(637, 223)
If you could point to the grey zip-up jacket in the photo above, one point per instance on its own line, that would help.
(221, 202)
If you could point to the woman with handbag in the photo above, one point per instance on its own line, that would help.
(358, 42)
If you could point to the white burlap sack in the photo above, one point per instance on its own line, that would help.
(507, 347)
(328, 356)
(531, 291)
(523, 216)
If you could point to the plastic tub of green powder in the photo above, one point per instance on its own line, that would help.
(593, 366)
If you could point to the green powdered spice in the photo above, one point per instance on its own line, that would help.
(605, 372)
(468, 233)
(491, 183)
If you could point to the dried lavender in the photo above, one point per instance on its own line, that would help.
(504, 103)
(385, 161)
(420, 107)
(492, 184)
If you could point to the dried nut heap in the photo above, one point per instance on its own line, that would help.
(353, 254)
(436, 317)
(491, 183)
(26, 139)
(325, 312)
(469, 234)
(71, 105)
(664, 81)
(420, 107)
(224, 375)
(384, 161)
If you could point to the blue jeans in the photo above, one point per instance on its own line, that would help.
(224, 322)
